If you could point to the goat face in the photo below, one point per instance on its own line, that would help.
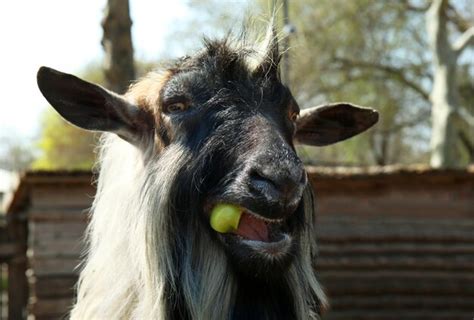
(239, 123)
(240, 126)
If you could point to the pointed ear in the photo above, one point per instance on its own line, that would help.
(92, 107)
(328, 124)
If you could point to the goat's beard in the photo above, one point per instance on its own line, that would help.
(143, 263)
(210, 282)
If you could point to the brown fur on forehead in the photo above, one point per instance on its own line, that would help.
(146, 92)
(232, 56)
(146, 95)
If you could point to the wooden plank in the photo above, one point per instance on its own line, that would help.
(54, 195)
(50, 308)
(8, 250)
(59, 177)
(393, 263)
(348, 219)
(72, 248)
(53, 287)
(398, 203)
(409, 275)
(387, 226)
(355, 285)
(397, 314)
(343, 239)
(373, 232)
(52, 317)
(59, 215)
(397, 301)
(57, 230)
(381, 220)
(17, 288)
(450, 250)
(54, 266)
(17, 280)
(332, 182)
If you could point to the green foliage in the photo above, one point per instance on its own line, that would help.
(63, 146)
(368, 53)
(372, 53)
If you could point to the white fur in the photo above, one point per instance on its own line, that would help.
(128, 261)
(123, 274)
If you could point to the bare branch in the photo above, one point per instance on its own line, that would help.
(377, 153)
(410, 6)
(466, 117)
(419, 118)
(437, 7)
(396, 73)
(467, 144)
(464, 40)
(466, 130)
(459, 22)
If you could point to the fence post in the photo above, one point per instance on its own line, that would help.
(17, 281)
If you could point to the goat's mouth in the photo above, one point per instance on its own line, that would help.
(253, 232)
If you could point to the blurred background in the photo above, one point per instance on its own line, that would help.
(373, 53)
(404, 189)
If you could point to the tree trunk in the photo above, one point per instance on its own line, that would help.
(443, 96)
(447, 123)
(117, 43)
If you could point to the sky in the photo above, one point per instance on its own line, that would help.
(64, 35)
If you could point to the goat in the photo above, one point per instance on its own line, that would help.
(216, 127)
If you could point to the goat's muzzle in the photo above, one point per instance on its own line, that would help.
(275, 182)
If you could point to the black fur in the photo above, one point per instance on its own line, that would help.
(237, 120)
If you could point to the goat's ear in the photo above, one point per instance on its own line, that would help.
(92, 107)
(328, 124)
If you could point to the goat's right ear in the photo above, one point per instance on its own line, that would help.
(92, 107)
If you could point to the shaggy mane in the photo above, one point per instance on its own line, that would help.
(139, 264)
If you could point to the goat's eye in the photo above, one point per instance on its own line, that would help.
(176, 107)
(293, 115)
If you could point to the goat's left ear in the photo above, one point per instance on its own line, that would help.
(92, 107)
(328, 124)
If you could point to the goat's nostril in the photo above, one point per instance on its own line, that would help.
(277, 184)
(255, 175)
(259, 181)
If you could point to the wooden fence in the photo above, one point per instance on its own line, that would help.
(57, 207)
(13, 265)
(394, 243)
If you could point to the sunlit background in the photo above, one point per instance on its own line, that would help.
(371, 53)
(66, 35)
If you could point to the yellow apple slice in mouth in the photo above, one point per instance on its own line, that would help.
(225, 217)
(229, 218)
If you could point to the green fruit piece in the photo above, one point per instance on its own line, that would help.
(225, 217)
